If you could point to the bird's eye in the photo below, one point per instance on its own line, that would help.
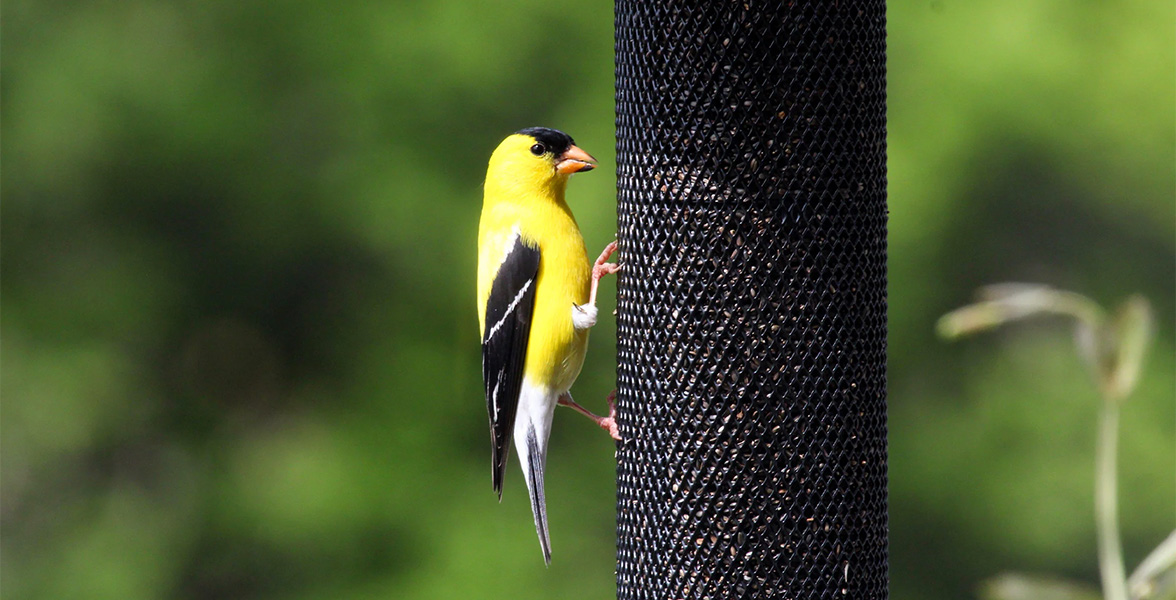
(538, 149)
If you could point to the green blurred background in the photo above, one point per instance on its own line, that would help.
(240, 356)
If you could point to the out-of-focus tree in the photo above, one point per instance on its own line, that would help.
(239, 348)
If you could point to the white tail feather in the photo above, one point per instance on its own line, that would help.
(532, 430)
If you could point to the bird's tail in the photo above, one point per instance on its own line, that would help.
(534, 461)
(532, 428)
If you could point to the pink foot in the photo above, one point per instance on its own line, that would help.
(608, 423)
(601, 268)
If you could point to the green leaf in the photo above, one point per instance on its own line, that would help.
(1005, 302)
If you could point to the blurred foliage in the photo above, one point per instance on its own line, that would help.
(1114, 349)
(240, 356)
(1155, 577)
(1022, 587)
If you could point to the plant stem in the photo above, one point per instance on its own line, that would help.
(1110, 549)
(1156, 575)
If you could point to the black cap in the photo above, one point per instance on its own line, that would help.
(555, 140)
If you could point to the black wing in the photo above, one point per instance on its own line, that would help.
(504, 345)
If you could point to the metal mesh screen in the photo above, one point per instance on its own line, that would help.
(752, 306)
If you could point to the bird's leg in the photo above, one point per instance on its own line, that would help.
(608, 423)
(601, 268)
(584, 315)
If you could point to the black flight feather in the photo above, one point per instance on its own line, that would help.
(536, 462)
(504, 345)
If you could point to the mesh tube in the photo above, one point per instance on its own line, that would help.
(751, 163)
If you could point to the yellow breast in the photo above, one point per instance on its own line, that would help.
(555, 349)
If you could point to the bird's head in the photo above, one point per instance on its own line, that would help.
(538, 157)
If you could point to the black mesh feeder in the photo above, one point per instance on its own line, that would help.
(751, 164)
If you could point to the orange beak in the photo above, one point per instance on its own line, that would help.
(574, 160)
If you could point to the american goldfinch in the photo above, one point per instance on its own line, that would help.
(536, 300)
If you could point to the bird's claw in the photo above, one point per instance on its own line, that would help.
(609, 423)
(599, 270)
(607, 253)
(602, 267)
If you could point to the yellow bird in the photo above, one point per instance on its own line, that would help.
(536, 301)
